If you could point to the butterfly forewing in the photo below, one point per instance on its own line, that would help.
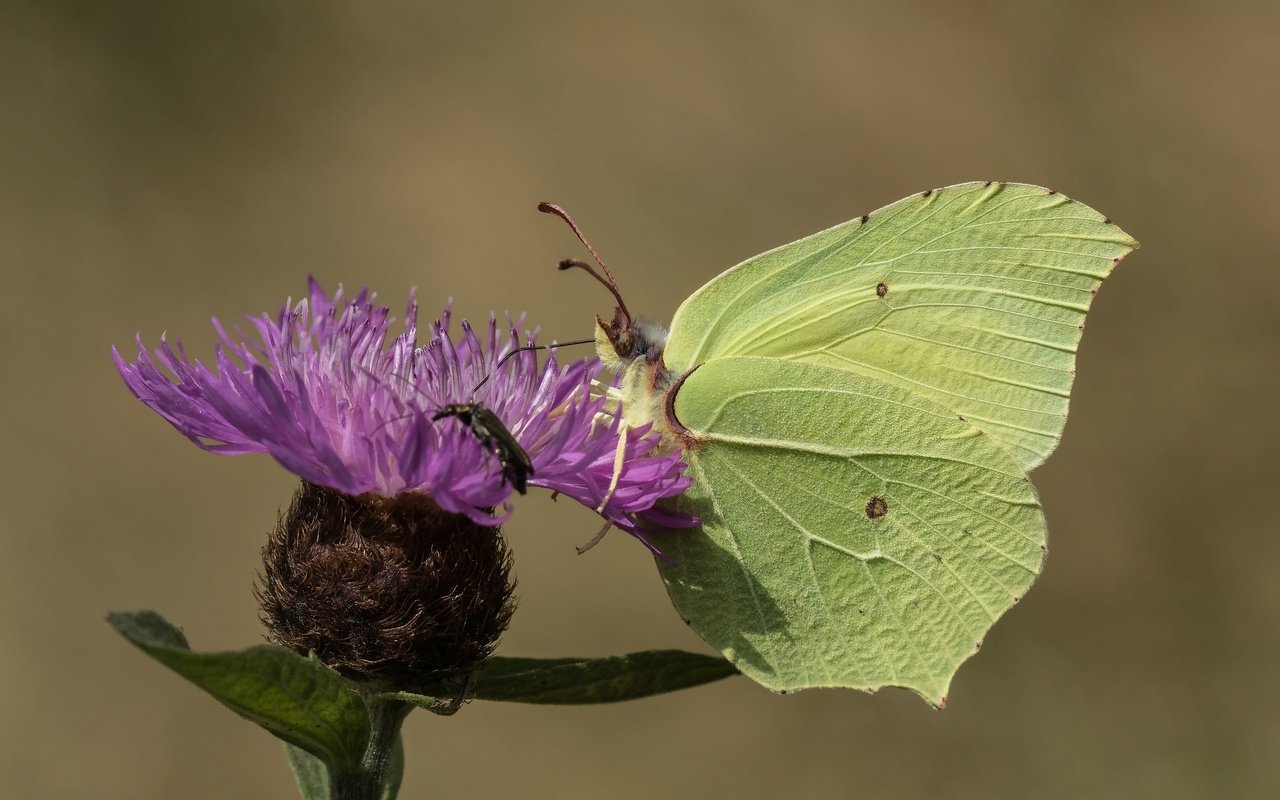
(973, 296)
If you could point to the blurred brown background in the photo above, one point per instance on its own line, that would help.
(163, 162)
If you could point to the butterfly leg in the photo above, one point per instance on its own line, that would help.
(613, 400)
(619, 457)
(595, 540)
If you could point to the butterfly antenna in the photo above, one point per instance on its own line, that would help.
(569, 263)
(522, 349)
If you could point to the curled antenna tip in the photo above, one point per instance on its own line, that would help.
(607, 277)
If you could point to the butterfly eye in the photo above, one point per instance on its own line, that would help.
(621, 335)
(625, 344)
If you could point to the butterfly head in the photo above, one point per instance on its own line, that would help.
(628, 346)
(624, 339)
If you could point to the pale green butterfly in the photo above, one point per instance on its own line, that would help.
(858, 411)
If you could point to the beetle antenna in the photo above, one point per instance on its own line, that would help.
(522, 349)
(506, 357)
(569, 263)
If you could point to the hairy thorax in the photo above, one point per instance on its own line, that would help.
(648, 387)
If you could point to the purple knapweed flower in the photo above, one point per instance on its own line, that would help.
(324, 394)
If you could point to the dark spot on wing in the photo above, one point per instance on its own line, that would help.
(988, 183)
(881, 290)
(926, 193)
(877, 507)
(866, 217)
(1106, 220)
(1053, 191)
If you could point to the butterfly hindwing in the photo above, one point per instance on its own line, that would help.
(854, 533)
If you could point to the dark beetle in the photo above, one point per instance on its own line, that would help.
(485, 425)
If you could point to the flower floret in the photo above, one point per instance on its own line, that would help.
(327, 390)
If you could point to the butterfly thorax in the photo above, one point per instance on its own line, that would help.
(634, 350)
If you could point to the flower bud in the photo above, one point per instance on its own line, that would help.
(390, 590)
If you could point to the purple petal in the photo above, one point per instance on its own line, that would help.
(326, 389)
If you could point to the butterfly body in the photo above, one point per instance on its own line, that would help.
(859, 410)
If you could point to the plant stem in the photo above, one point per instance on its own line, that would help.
(385, 717)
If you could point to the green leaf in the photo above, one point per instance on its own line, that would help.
(575, 681)
(854, 533)
(394, 774)
(313, 776)
(297, 699)
(436, 705)
(310, 773)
